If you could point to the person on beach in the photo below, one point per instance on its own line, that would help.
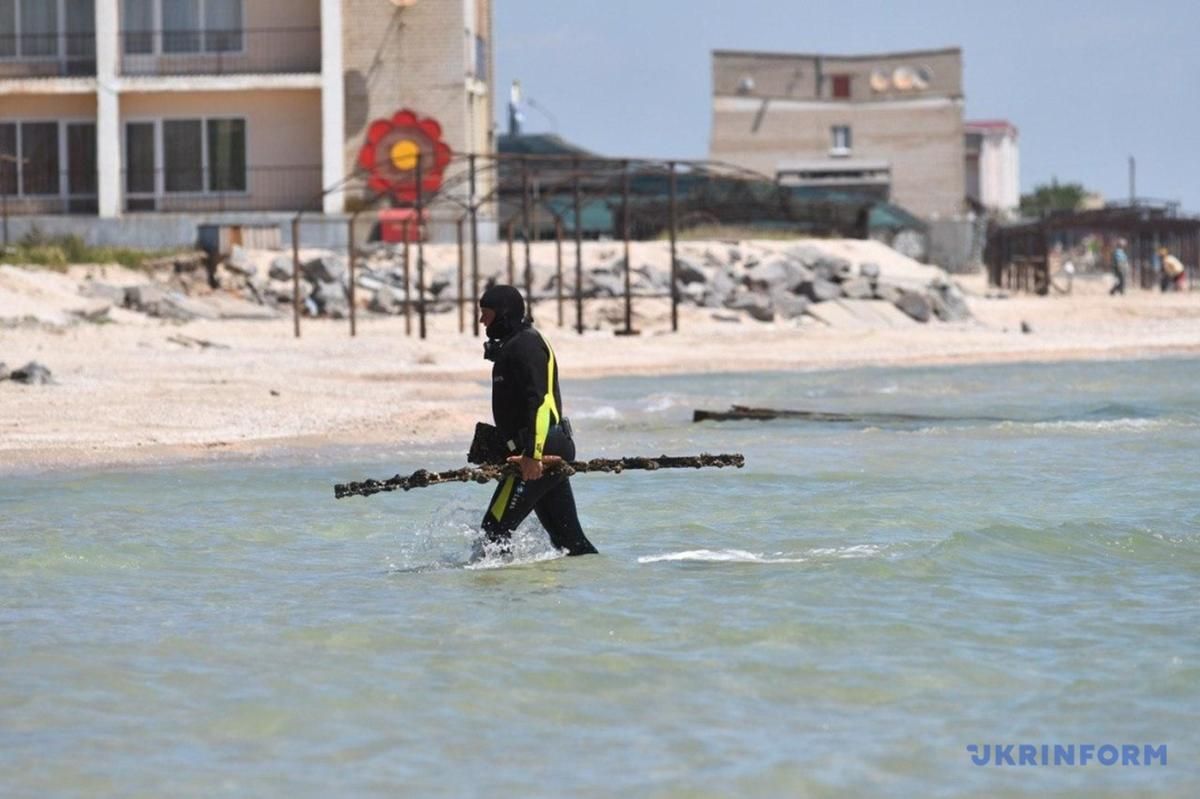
(527, 409)
(1120, 266)
(1172, 271)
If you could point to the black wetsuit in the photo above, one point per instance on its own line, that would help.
(527, 409)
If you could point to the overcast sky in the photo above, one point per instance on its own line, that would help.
(1088, 82)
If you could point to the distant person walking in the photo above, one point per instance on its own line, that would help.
(1173, 273)
(1120, 267)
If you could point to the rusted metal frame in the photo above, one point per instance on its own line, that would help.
(421, 244)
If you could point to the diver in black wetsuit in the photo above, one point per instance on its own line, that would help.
(527, 409)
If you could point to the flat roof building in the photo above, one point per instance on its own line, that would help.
(889, 125)
(112, 107)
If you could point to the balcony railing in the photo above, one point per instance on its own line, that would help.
(221, 52)
(281, 188)
(50, 55)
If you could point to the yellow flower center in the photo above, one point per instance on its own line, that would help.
(404, 154)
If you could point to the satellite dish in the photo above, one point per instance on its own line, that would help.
(745, 85)
(924, 77)
(904, 78)
(880, 82)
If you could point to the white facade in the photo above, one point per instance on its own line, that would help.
(993, 165)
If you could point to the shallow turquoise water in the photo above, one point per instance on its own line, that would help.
(841, 617)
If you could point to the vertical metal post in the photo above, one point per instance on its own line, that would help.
(628, 264)
(421, 244)
(558, 267)
(672, 212)
(407, 279)
(512, 274)
(578, 248)
(474, 249)
(462, 301)
(296, 276)
(525, 234)
(350, 255)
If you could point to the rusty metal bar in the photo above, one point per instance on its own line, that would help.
(673, 221)
(350, 259)
(421, 243)
(578, 249)
(296, 276)
(462, 301)
(512, 267)
(628, 259)
(558, 286)
(526, 232)
(474, 247)
(407, 279)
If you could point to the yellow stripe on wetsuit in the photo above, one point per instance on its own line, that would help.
(548, 407)
(502, 498)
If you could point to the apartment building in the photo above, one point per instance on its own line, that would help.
(888, 124)
(120, 107)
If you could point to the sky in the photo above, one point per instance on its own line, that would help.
(1087, 83)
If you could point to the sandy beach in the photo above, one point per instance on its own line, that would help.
(141, 390)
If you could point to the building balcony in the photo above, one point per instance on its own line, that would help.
(212, 190)
(221, 52)
(55, 55)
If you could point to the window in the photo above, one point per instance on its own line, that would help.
(841, 140)
(39, 27)
(841, 87)
(8, 159)
(227, 155)
(8, 28)
(81, 158)
(80, 19)
(39, 158)
(197, 156)
(183, 155)
(222, 26)
(31, 161)
(188, 26)
(138, 25)
(481, 64)
(28, 28)
(180, 26)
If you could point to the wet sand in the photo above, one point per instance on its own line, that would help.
(140, 391)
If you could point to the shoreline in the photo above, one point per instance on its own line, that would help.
(138, 391)
(265, 450)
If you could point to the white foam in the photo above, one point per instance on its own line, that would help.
(659, 404)
(1092, 426)
(854, 551)
(720, 556)
(603, 412)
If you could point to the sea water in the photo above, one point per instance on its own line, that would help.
(845, 616)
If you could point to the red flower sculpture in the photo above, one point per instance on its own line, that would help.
(392, 149)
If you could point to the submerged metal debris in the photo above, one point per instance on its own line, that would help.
(488, 472)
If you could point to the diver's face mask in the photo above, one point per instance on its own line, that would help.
(491, 348)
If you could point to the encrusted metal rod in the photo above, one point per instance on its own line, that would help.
(488, 472)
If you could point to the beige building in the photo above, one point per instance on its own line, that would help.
(888, 124)
(114, 107)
